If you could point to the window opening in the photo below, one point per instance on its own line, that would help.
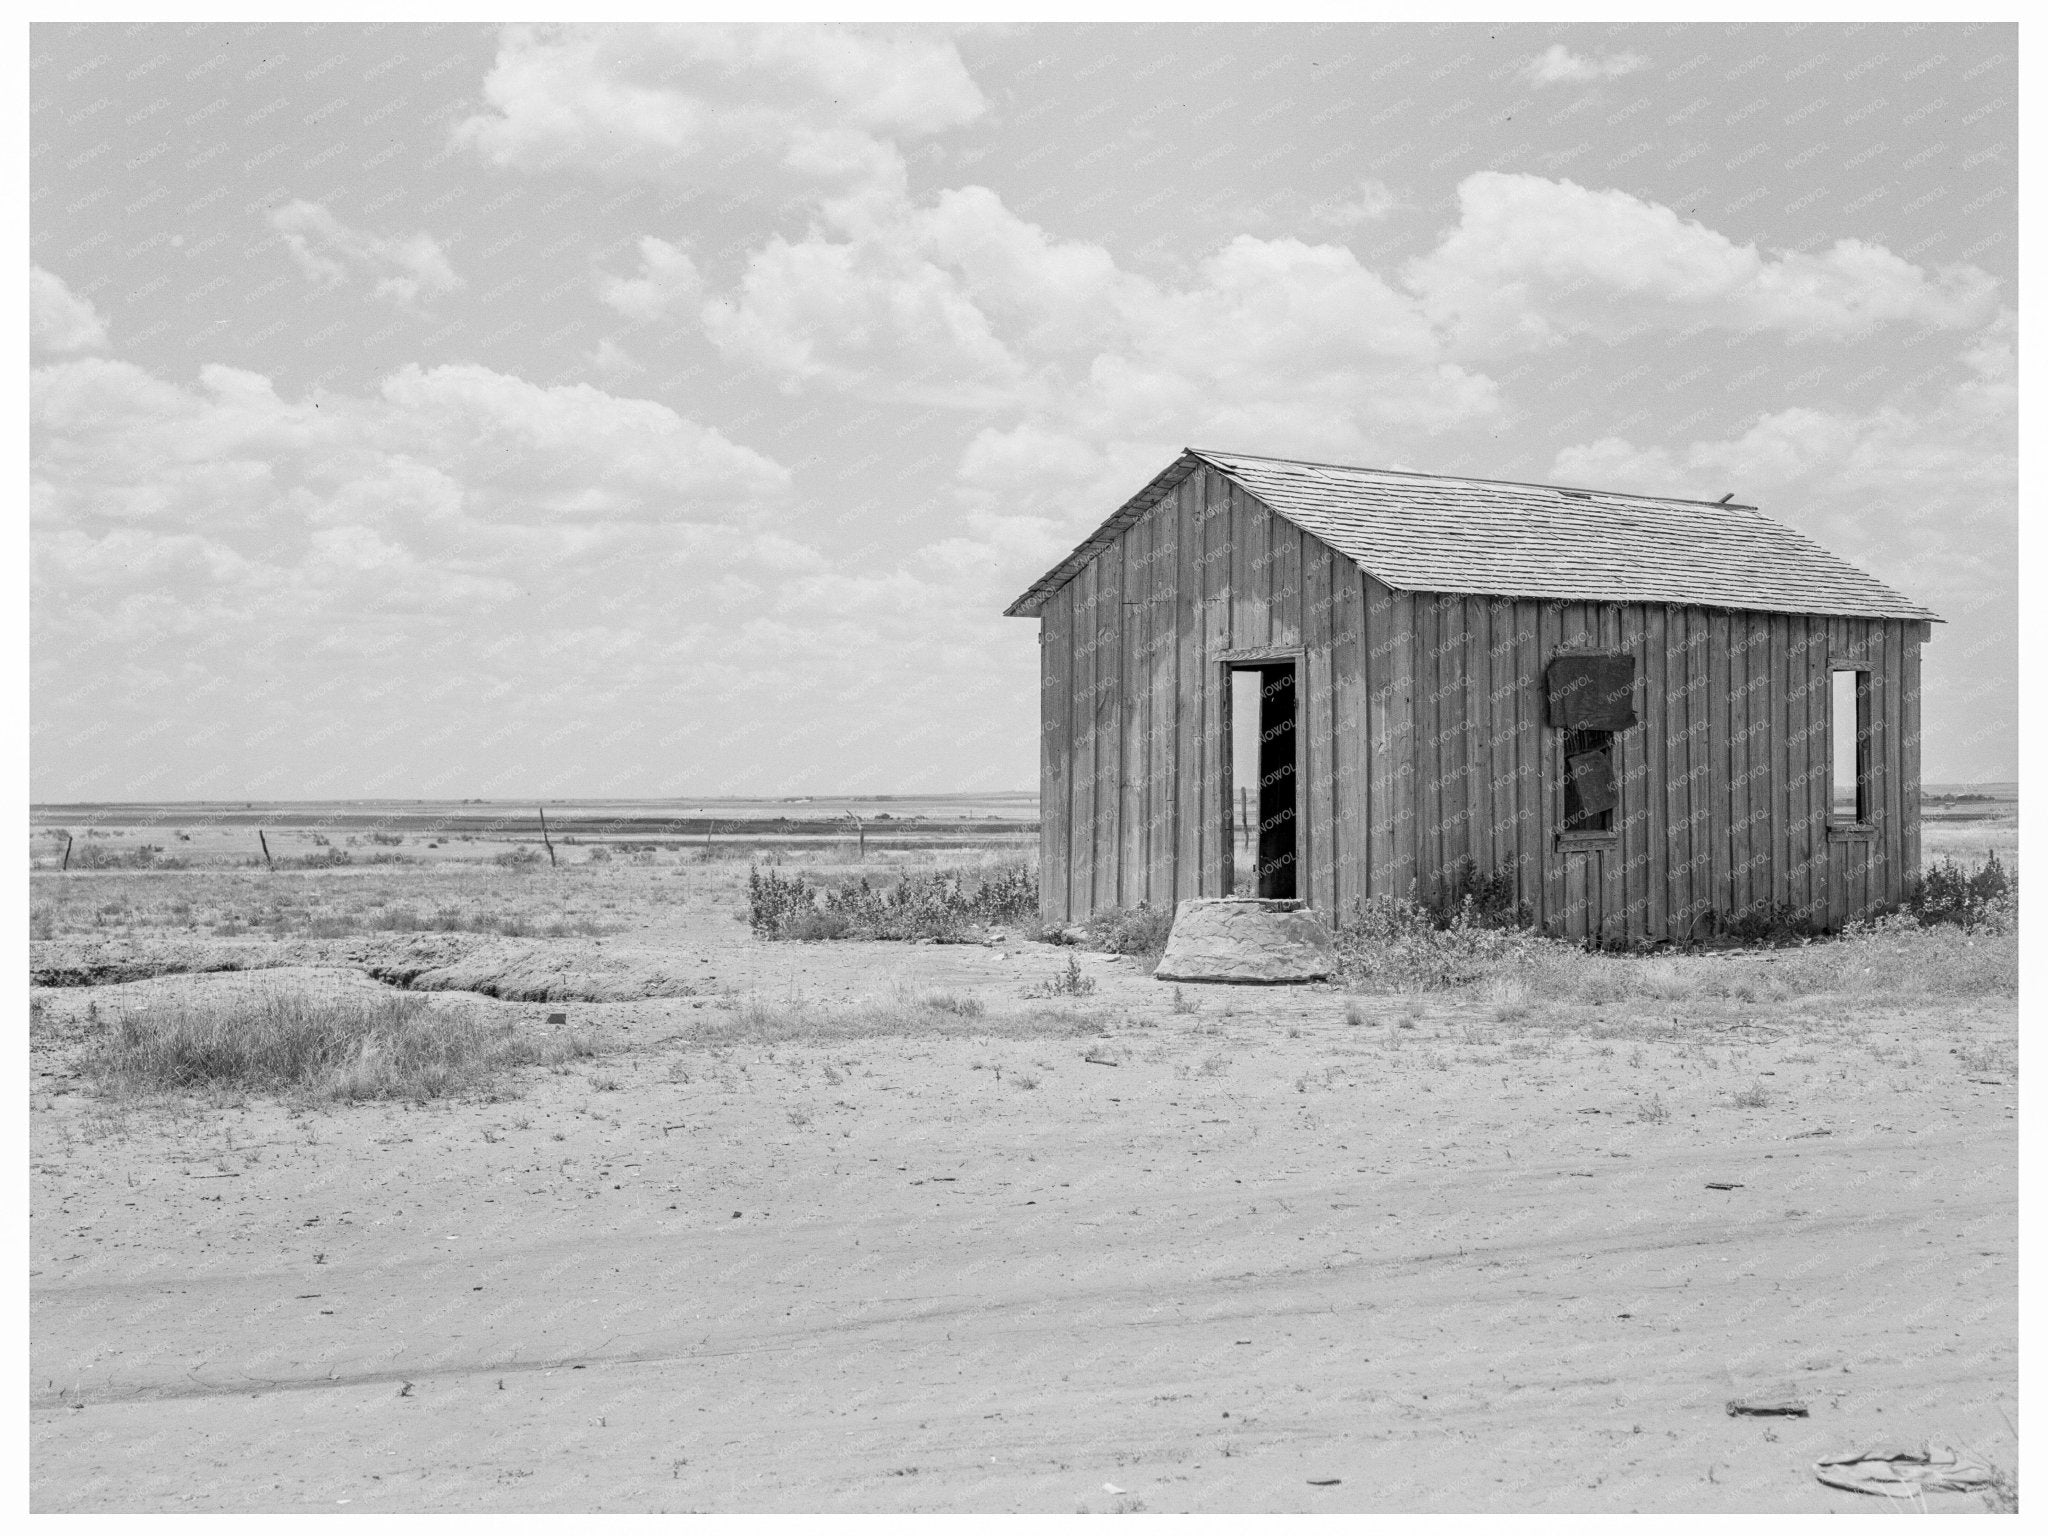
(1589, 696)
(1589, 794)
(1849, 735)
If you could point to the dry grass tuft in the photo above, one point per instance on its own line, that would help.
(317, 1048)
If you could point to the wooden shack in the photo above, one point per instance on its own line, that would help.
(1654, 716)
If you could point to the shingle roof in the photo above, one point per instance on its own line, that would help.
(1445, 533)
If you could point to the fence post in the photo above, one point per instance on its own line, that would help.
(544, 836)
(266, 850)
(67, 851)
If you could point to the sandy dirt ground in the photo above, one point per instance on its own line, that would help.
(1251, 1257)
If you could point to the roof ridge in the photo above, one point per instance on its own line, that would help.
(1211, 455)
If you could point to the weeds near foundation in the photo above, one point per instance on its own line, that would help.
(949, 905)
(1141, 930)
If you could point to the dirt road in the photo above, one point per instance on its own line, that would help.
(1453, 1263)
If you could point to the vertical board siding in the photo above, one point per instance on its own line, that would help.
(1217, 555)
(1501, 683)
(1909, 754)
(1887, 755)
(1190, 718)
(1318, 716)
(1633, 854)
(1430, 797)
(1549, 896)
(1055, 714)
(1163, 623)
(1737, 895)
(1132, 724)
(1657, 769)
(1424, 741)
(1352, 780)
(1081, 793)
(1402, 685)
(1109, 735)
(1526, 667)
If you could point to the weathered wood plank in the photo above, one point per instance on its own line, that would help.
(1251, 620)
(1188, 701)
(1495, 668)
(1402, 744)
(1055, 735)
(1526, 668)
(1218, 557)
(1318, 717)
(1081, 819)
(1285, 575)
(1688, 745)
(1909, 754)
(1353, 777)
(1720, 705)
(1887, 755)
(1741, 631)
(1632, 852)
(1457, 728)
(1109, 732)
(1434, 796)
(1162, 788)
(1579, 866)
(1656, 758)
(1134, 547)
(1777, 825)
(1550, 888)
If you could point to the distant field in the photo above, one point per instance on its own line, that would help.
(1970, 822)
(225, 833)
(1961, 821)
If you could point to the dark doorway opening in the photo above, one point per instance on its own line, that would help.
(1265, 734)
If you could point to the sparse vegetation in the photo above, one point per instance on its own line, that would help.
(1139, 931)
(774, 1021)
(947, 905)
(1071, 982)
(321, 1049)
(1395, 946)
(1986, 896)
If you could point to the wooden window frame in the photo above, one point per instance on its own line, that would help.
(1584, 839)
(1860, 825)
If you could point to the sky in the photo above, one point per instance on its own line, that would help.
(461, 411)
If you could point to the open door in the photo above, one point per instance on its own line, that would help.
(1265, 736)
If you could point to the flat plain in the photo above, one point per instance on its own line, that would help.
(996, 1226)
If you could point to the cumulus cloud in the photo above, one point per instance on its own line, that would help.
(1532, 261)
(668, 281)
(825, 104)
(332, 253)
(427, 577)
(1921, 492)
(1558, 65)
(1367, 203)
(60, 320)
